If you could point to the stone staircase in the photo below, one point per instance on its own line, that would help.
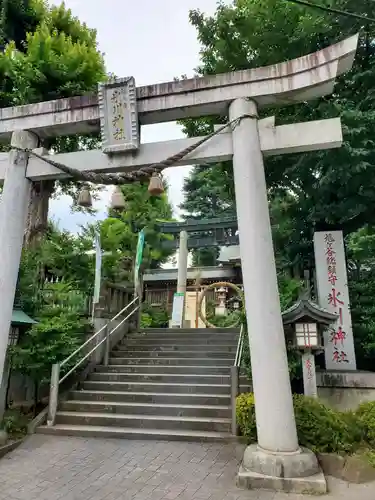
(160, 384)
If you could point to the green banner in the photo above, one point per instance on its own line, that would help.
(139, 257)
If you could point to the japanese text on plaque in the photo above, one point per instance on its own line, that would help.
(118, 105)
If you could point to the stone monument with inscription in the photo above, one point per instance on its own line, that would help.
(333, 295)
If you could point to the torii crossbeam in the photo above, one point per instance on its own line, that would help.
(121, 108)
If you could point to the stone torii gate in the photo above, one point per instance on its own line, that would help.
(224, 233)
(277, 461)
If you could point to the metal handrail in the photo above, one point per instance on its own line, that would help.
(238, 358)
(55, 374)
(234, 380)
(97, 333)
(97, 345)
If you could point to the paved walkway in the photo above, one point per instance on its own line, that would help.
(60, 468)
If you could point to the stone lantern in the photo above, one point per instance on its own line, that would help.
(304, 324)
(221, 294)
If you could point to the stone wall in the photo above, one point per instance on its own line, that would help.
(346, 390)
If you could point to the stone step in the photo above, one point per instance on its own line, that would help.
(171, 361)
(160, 377)
(226, 348)
(144, 421)
(96, 385)
(165, 369)
(179, 410)
(180, 341)
(160, 398)
(196, 331)
(135, 433)
(173, 354)
(163, 377)
(188, 334)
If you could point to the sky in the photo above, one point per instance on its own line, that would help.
(154, 42)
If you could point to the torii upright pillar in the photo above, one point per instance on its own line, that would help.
(276, 428)
(14, 206)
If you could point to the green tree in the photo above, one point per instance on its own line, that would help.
(60, 254)
(19, 17)
(214, 200)
(143, 211)
(48, 54)
(329, 188)
(57, 334)
(119, 232)
(312, 191)
(360, 247)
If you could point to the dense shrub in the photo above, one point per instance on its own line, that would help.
(56, 335)
(15, 423)
(319, 428)
(323, 429)
(245, 412)
(232, 319)
(366, 417)
(154, 317)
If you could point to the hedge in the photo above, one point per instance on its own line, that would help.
(319, 427)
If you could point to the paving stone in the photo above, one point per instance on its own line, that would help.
(64, 468)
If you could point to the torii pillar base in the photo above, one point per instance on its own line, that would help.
(289, 472)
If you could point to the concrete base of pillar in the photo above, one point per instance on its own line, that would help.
(289, 472)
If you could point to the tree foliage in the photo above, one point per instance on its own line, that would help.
(59, 255)
(70, 258)
(325, 188)
(53, 56)
(47, 54)
(57, 334)
(312, 191)
(143, 211)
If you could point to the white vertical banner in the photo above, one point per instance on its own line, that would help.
(178, 310)
(333, 294)
(98, 268)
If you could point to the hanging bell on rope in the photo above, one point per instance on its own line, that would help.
(118, 199)
(84, 197)
(155, 187)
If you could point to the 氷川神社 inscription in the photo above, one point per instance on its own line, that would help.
(118, 115)
(332, 283)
